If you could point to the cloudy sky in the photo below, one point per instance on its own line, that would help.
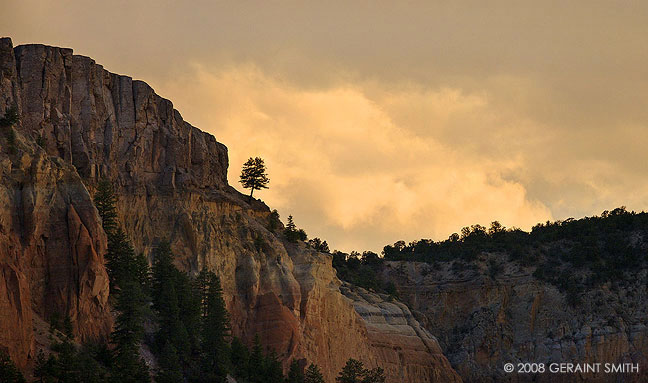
(382, 121)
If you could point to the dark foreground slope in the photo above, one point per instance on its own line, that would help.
(80, 123)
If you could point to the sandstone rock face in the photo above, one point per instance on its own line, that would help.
(171, 180)
(406, 349)
(111, 126)
(483, 323)
(51, 240)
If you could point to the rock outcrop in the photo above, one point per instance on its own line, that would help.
(484, 321)
(171, 180)
(51, 240)
(406, 348)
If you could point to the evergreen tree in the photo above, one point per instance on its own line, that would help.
(256, 365)
(291, 233)
(62, 325)
(264, 368)
(375, 375)
(68, 329)
(253, 175)
(90, 370)
(141, 272)
(94, 361)
(201, 285)
(66, 368)
(129, 367)
(43, 369)
(10, 117)
(295, 373)
(105, 200)
(313, 375)
(132, 307)
(272, 368)
(123, 265)
(192, 318)
(66, 364)
(189, 302)
(166, 302)
(129, 284)
(240, 358)
(354, 372)
(128, 333)
(215, 361)
(290, 226)
(274, 222)
(9, 373)
(319, 245)
(170, 369)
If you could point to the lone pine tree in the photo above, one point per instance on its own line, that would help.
(254, 176)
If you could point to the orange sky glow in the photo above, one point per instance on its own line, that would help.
(382, 121)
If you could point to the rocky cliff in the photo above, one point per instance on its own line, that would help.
(484, 320)
(80, 123)
(51, 240)
(390, 326)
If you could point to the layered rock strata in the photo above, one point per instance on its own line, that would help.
(484, 321)
(171, 180)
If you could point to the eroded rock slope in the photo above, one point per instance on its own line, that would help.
(484, 321)
(171, 179)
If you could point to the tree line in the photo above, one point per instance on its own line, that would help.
(573, 254)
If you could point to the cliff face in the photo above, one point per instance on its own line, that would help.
(172, 184)
(484, 322)
(51, 240)
(390, 326)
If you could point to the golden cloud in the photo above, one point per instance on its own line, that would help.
(343, 166)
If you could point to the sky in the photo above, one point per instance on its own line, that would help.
(384, 121)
